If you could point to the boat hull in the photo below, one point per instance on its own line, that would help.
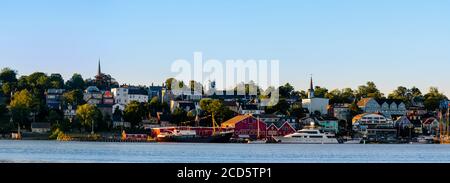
(219, 138)
(284, 140)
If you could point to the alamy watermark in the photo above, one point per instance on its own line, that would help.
(229, 77)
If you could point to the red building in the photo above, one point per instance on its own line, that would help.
(280, 129)
(286, 129)
(272, 130)
(247, 126)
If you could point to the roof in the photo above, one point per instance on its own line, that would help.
(250, 107)
(40, 125)
(92, 89)
(364, 101)
(137, 91)
(266, 116)
(389, 101)
(232, 122)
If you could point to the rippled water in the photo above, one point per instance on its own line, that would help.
(104, 152)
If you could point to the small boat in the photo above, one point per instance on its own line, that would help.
(308, 136)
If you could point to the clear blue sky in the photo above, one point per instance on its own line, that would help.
(343, 43)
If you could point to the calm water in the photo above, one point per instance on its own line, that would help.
(102, 152)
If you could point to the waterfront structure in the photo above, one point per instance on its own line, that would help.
(54, 98)
(315, 104)
(374, 126)
(40, 127)
(389, 108)
(430, 126)
(246, 126)
(404, 127)
(280, 128)
(126, 94)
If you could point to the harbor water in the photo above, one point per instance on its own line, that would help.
(114, 152)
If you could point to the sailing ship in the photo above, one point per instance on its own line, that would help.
(191, 135)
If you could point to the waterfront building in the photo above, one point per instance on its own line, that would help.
(246, 126)
(374, 126)
(389, 108)
(54, 98)
(40, 127)
(315, 104)
(405, 127)
(430, 126)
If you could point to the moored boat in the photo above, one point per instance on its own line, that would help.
(308, 136)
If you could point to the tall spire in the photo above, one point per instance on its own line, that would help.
(311, 89)
(99, 71)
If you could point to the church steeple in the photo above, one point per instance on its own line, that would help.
(311, 89)
(99, 71)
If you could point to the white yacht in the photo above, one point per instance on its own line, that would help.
(308, 136)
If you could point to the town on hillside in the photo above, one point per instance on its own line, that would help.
(42, 106)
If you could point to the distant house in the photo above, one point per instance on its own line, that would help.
(92, 95)
(250, 109)
(184, 105)
(126, 94)
(54, 98)
(232, 105)
(388, 108)
(340, 111)
(40, 127)
(246, 126)
(268, 118)
(155, 91)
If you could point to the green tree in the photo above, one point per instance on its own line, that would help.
(118, 114)
(74, 97)
(76, 82)
(86, 114)
(20, 106)
(133, 113)
(56, 81)
(286, 91)
(215, 108)
(8, 75)
(178, 116)
(369, 90)
(55, 116)
(433, 99)
(320, 92)
(4, 118)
